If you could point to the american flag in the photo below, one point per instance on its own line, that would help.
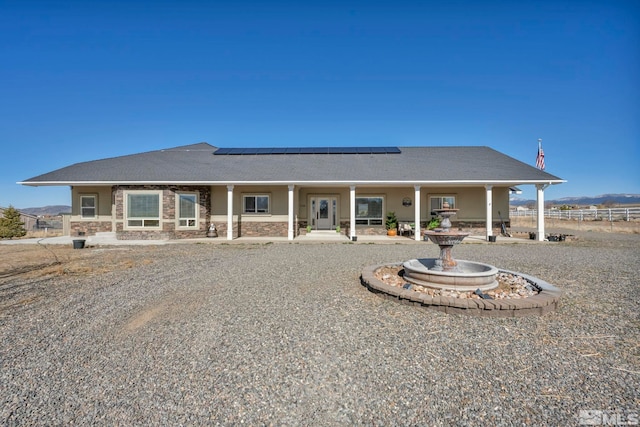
(540, 157)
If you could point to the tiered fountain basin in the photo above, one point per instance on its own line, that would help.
(458, 286)
(547, 299)
(467, 277)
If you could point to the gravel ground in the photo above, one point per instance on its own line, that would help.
(284, 334)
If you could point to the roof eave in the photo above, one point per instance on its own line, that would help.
(297, 182)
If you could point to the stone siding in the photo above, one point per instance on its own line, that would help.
(263, 229)
(168, 220)
(221, 228)
(89, 228)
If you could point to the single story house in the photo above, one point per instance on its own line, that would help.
(180, 192)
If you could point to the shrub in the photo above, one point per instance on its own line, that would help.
(10, 225)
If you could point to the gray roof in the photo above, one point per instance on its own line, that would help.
(197, 164)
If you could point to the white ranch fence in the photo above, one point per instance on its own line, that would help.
(613, 214)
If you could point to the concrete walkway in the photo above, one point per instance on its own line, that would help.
(109, 239)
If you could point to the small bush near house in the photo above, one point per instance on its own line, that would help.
(10, 225)
(434, 223)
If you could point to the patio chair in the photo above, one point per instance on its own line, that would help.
(405, 227)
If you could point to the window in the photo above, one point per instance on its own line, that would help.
(88, 206)
(436, 202)
(256, 204)
(143, 209)
(369, 210)
(187, 210)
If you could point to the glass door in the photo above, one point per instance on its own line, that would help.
(324, 213)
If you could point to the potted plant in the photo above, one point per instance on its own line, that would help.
(391, 224)
(337, 229)
(434, 223)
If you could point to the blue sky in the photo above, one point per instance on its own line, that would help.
(84, 80)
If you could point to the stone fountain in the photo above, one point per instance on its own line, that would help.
(445, 272)
(439, 279)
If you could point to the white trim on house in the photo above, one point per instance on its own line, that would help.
(380, 183)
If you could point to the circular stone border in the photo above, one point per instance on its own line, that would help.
(545, 301)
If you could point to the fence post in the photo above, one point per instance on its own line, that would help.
(610, 219)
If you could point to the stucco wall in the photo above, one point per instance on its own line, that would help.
(103, 222)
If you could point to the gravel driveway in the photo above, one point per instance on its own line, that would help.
(284, 334)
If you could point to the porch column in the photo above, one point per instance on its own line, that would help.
(417, 232)
(290, 233)
(352, 212)
(540, 210)
(489, 219)
(229, 212)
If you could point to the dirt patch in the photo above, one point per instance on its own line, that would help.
(173, 307)
(34, 261)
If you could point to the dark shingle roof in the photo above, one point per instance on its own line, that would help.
(197, 164)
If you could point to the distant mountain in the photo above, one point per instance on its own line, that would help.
(47, 210)
(615, 199)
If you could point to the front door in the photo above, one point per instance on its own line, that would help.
(324, 212)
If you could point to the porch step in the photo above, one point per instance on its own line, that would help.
(323, 235)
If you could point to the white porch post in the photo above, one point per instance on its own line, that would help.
(229, 212)
(540, 210)
(417, 231)
(290, 213)
(352, 212)
(489, 218)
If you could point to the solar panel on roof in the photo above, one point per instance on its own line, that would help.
(344, 150)
(305, 150)
(393, 150)
(262, 151)
(309, 150)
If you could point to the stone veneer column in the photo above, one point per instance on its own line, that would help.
(229, 212)
(489, 219)
(417, 231)
(352, 212)
(290, 233)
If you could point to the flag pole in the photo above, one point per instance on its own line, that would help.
(540, 156)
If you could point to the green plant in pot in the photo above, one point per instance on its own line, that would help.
(391, 224)
(434, 223)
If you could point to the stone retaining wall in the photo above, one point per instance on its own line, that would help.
(545, 301)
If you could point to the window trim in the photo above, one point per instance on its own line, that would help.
(196, 218)
(255, 196)
(95, 206)
(126, 218)
(371, 221)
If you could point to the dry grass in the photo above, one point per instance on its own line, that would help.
(32, 261)
(632, 227)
